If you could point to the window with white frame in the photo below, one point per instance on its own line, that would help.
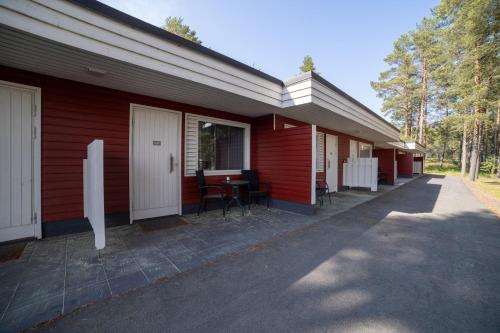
(320, 152)
(365, 150)
(215, 145)
(353, 148)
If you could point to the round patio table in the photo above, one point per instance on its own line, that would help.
(235, 198)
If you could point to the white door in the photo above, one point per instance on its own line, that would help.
(155, 162)
(17, 167)
(332, 161)
(417, 167)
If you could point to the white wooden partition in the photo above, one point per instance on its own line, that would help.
(93, 190)
(361, 172)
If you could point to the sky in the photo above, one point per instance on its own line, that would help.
(348, 39)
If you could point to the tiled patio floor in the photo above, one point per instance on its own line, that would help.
(57, 275)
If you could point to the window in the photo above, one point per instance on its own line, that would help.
(289, 126)
(365, 150)
(320, 152)
(353, 148)
(218, 146)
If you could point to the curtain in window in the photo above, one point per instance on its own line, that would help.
(220, 147)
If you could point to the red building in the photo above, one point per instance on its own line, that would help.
(75, 71)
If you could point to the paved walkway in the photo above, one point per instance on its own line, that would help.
(57, 275)
(422, 258)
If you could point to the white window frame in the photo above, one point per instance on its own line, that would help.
(218, 121)
(320, 155)
(289, 126)
(361, 147)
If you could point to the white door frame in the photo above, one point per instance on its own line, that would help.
(130, 154)
(327, 159)
(36, 157)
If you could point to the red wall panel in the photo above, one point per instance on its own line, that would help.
(343, 143)
(405, 164)
(73, 114)
(283, 159)
(386, 163)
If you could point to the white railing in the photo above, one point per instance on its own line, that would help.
(93, 191)
(361, 172)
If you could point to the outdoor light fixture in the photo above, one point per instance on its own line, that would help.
(96, 71)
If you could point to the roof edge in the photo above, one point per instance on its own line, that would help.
(330, 85)
(136, 23)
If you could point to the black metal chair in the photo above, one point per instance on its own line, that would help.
(256, 189)
(205, 195)
(322, 189)
(381, 177)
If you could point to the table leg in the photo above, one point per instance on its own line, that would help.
(236, 198)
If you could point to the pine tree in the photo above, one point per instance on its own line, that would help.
(427, 50)
(307, 65)
(397, 85)
(174, 25)
(473, 29)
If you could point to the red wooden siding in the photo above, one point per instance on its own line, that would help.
(283, 159)
(73, 114)
(343, 144)
(405, 164)
(386, 163)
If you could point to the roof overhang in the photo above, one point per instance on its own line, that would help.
(415, 147)
(311, 98)
(408, 147)
(65, 38)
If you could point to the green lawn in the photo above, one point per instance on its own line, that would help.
(489, 184)
(448, 168)
(486, 182)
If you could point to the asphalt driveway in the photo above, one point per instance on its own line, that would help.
(422, 258)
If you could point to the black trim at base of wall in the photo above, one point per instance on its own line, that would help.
(294, 207)
(279, 204)
(73, 226)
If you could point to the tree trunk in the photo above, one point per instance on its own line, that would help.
(474, 156)
(445, 141)
(423, 106)
(463, 170)
(441, 159)
(408, 110)
(476, 134)
(496, 141)
(478, 159)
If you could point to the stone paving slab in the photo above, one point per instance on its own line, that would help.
(54, 276)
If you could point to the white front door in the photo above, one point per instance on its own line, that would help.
(17, 163)
(155, 162)
(332, 161)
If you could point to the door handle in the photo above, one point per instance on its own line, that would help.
(328, 163)
(171, 163)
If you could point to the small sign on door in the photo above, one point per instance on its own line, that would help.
(156, 143)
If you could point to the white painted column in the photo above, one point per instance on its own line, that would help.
(94, 191)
